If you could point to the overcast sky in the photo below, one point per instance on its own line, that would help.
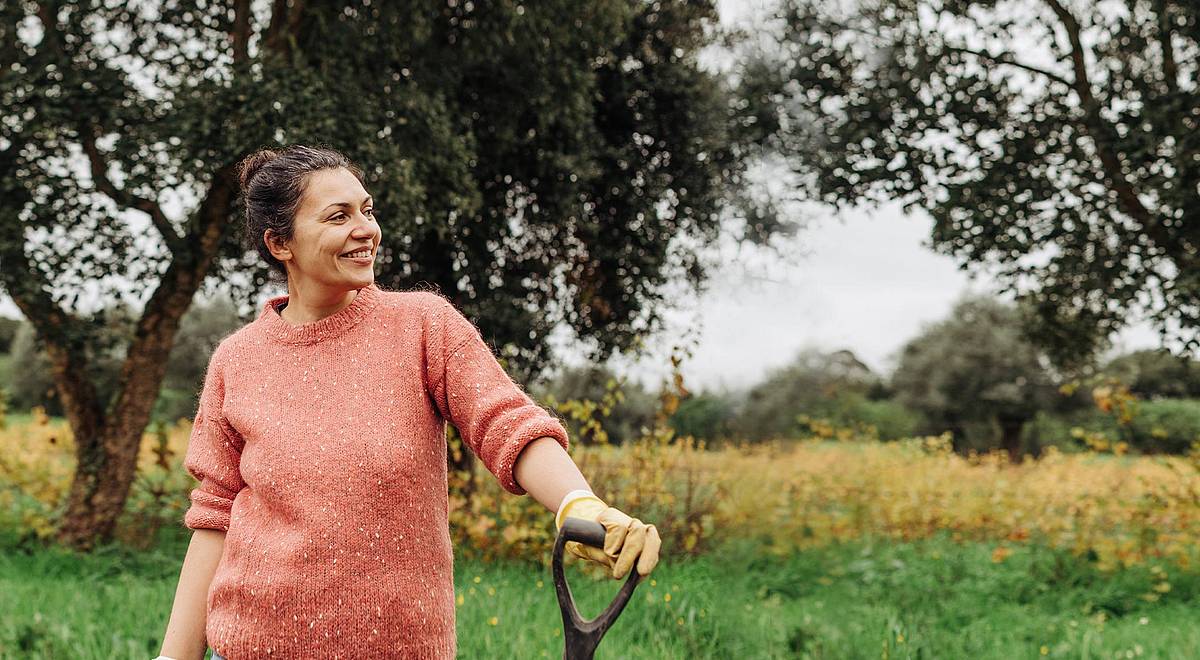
(864, 281)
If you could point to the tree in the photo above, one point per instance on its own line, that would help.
(1055, 143)
(1156, 374)
(539, 163)
(633, 407)
(975, 368)
(706, 416)
(32, 376)
(815, 384)
(8, 332)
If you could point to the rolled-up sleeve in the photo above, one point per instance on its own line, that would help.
(213, 457)
(494, 416)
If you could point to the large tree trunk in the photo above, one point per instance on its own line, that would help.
(1010, 436)
(107, 452)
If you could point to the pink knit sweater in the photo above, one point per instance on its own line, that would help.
(320, 449)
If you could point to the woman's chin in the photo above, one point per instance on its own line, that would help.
(365, 279)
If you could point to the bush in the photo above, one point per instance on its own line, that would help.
(1055, 430)
(592, 396)
(892, 421)
(815, 385)
(1166, 426)
(31, 383)
(703, 416)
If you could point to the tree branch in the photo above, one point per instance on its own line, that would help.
(1098, 127)
(1008, 59)
(99, 168)
(284, 23)
(61, 333)
(154, 335)
(1170, 69)
(241, 31)
(124, 198)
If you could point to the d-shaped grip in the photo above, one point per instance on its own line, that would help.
(582, 637)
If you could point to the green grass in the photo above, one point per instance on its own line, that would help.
(868, 599)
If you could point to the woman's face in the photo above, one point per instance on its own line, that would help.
(336, 218)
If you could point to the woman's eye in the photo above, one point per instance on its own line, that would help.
(370, 213)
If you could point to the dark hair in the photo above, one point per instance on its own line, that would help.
(273, 181)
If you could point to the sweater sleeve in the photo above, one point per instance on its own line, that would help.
(213, 457)
(494, 416)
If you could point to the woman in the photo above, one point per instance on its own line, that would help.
(320, 518)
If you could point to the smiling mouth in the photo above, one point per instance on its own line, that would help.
(364, 253)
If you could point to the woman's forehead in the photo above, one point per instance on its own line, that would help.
(332, 186)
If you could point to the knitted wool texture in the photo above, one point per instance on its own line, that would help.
(320, 450)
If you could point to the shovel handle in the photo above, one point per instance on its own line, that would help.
(581, 637)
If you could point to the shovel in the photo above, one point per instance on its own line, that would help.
(582, 637)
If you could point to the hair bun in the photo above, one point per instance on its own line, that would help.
(251, 164)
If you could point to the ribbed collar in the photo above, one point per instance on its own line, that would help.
(329, 327)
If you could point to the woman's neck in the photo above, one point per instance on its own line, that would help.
(308, 304)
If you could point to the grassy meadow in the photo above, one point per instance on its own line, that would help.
(814, 548)
(869, 598)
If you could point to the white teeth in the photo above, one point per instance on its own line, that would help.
(359, 254)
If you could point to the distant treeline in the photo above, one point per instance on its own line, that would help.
(974, 374)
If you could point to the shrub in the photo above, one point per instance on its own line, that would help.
(891, 420)
(1166, 426)
(703, 416)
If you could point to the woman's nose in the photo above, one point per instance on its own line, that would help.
(364, 227)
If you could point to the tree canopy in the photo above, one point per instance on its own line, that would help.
(978, 369)
(1055, 143)
(1155, 374)
(538, 163)
(815, 383)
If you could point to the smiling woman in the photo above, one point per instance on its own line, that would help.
(313, 221)
(319, 444)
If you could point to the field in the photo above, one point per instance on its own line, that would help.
(811, 548)
(860, 599)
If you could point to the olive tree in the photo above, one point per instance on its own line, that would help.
(976, 368)
(539, 163)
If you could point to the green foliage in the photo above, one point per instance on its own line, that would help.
(1051, 429)
(205, 324)
(1053, 144)
(704, 416)
(890, 419)
(813, 385)
(1166, 426)
(604, 405)
(844, 601)
(537, 162)
(201, 329)
(975, 374)
(8, 330)
(174, 404)
(32, 382)
(1155, 374)
(6, 360)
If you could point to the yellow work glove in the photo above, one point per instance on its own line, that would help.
(626, 540)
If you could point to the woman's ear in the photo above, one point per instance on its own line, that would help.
(277, 248)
